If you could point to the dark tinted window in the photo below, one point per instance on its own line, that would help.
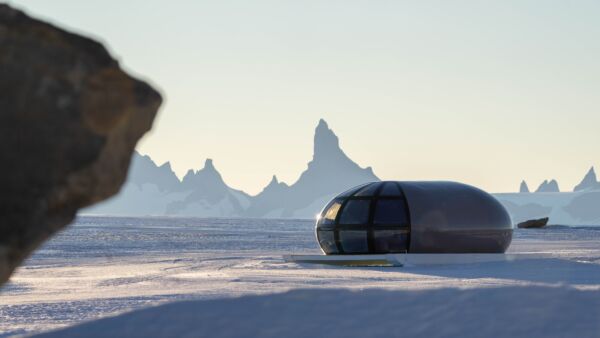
(390, 189)
(351, 192)
(355, 212)
(327, 241)
(369, 190)
(354, 241)
(391, 212)
(390, 241)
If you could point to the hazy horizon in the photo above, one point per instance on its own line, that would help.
(486, 94)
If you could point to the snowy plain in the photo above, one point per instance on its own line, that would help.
(111, 277)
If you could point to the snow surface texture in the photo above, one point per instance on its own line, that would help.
(228, 280)
(368, 313)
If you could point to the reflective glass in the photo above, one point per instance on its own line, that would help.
(350, 192)
(390, 241)
(391, 212)
(368, 190)
(355, 212)
(331, 212)
(390, 189)
(327, 241)
(354, 241)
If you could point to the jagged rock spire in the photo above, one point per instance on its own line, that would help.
(274, 180)
(326, 143)
(208, 164)
(548, 186)
(524, 188)
(589, 181)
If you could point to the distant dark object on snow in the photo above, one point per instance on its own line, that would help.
(534, 223)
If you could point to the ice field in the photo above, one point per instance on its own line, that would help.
(233, 282)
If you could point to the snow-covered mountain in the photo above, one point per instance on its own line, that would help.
(548, 186)
(144, 171)
(580, 207)
(524, 188)
(329, 172)
(208, 195)
(155, 190)
(589, 182)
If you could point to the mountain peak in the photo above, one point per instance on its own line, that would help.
(209, 170)
(188, 175)
(144, 170)
(273, 184)
(208, 164)
(206, 181)
(590, 181)
(524, 188)
(548, 186)
(326, 143)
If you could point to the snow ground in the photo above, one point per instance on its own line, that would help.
(234, 283)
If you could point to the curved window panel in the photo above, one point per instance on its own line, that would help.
(368, 190)
(390, 212)
(390, 189)
(354, 241)
(355, 212)
(330, 213)
(351, 192)
(327, 242)
(390, 241)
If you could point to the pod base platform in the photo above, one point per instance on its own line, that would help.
(397, 260)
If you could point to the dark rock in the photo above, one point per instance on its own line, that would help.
(69, 121)
(523, 212)
(534, 223)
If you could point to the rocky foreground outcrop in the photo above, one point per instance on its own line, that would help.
(69, 121)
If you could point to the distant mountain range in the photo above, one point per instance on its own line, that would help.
(155, 190)
(579, 207)
(588, 183)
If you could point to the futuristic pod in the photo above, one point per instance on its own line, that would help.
(414, 217)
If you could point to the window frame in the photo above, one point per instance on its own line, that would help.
(370, 226)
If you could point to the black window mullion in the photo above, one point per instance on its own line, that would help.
(370, 227)
(407, 216)
(336, 230)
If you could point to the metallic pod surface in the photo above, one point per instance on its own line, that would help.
(415, 217)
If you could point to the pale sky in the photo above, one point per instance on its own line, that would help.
(482, 92)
